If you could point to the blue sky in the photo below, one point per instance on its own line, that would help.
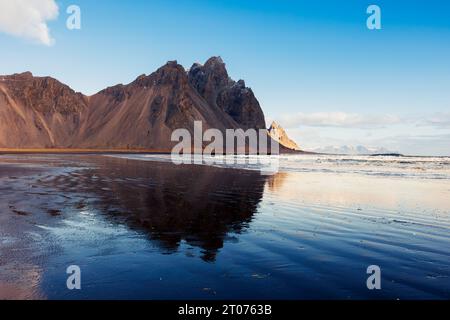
(314, 65)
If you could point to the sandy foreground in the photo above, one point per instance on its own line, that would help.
(6, 151)
(41, 192)
(150, 230)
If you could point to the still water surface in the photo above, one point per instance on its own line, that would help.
(152, 230)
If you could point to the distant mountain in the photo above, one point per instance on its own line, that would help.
(352, 150)
(41, 112)
(277, 133)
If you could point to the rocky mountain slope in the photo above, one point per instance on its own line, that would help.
(38, 112)
(220, 91)
(279, 134)
(41, 112)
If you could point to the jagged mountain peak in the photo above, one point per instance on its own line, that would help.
(41, 112)
(43, 94)
(279, 134)
(214, 61)
(211, 76)
(23, 75)
(217, 66)
(172, 65)
(212, 82)
(169, 73)
(274, 125)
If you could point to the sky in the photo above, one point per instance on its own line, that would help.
(314, 66)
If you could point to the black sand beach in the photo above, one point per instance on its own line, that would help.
(152, 230)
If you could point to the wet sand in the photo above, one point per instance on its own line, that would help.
(50, 151)
(150, 230)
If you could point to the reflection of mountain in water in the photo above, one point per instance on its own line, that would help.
(197, 204)
(276, 181)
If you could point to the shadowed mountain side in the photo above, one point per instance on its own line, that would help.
(220, 91)
(197, 204)
(37, 112)
(144, 113)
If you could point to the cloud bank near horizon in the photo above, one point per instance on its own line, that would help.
(362, 121)
(426, 134)
(28, 19)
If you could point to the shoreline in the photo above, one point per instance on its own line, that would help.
(6, 151)
(138, 222)
(102, 151)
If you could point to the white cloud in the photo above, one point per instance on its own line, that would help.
(339, 119)
(420, 144)
(438, 120)
(412, 134)
(28, 19)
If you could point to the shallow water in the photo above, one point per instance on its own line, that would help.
(389, 166)
(153, 230)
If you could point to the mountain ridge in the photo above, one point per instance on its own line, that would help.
(42, 112)
(277, 133)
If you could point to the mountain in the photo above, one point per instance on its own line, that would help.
(220, 91)
(38, 112)
(41, 112)
(352, 150)
(277, 133)
(144, 113)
